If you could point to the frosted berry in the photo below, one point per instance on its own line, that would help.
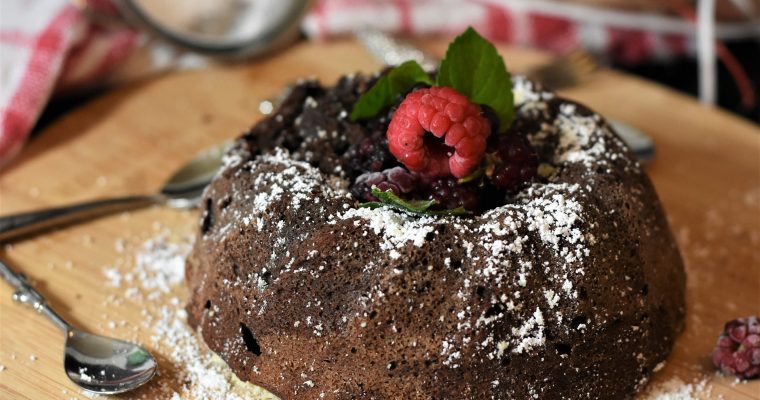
(438, 132)
(396, 179)
(449, 194)
(738, 349)
(515, 163)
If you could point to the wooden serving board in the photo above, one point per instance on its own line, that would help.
(707, 172)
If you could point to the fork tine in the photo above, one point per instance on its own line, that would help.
(566, 70)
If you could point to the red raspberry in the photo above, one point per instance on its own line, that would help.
(458, 129)
(738, 349)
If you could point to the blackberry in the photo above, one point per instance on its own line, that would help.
(371, 154)
(450, 194)
(397, 179)
(738, 349)
(515, 163)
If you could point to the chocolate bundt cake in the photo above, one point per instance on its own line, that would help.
(570, 286)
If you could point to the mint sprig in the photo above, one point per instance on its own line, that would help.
(473, 67)
(384, 92)
(421, 207)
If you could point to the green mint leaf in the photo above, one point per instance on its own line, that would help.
(422, 207)
(390, 198)
(384, 92)
(473, 67)
(459, 211)
(475, 175)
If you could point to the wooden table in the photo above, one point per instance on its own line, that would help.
(707, 172)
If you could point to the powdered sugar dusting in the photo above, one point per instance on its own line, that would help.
(155, 275)
(295, 180)
(578, 141)
(677, 389)
(158, 267)
(396, 228)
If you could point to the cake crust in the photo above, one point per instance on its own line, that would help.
(573, 289)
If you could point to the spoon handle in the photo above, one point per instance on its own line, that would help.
(28, 295)
(17, 225)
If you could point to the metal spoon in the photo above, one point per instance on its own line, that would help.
(182, 190)
(95, 363)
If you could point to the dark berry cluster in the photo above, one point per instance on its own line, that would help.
(450, 194)
(514, 163)
(435, 138)
(371, 154)
(738, 349)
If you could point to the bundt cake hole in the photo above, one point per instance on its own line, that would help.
(250, 341)
(207, 305)
(578, 321)
(494, 310)
(226, 201)
(208, 216)
(563, 348)
(266, 276)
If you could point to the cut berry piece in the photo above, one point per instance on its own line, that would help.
(450, 195)
(438, 132)
(738, 349)
(515, 163)
(396, 179)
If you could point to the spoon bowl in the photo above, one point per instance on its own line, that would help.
(106, 365)
(184, 188)
(95, 363)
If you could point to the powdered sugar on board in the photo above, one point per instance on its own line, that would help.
(677, 389)
(187, 369)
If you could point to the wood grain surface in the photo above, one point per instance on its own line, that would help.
(706, 171)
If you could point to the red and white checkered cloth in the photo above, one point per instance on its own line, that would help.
(49, 46)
